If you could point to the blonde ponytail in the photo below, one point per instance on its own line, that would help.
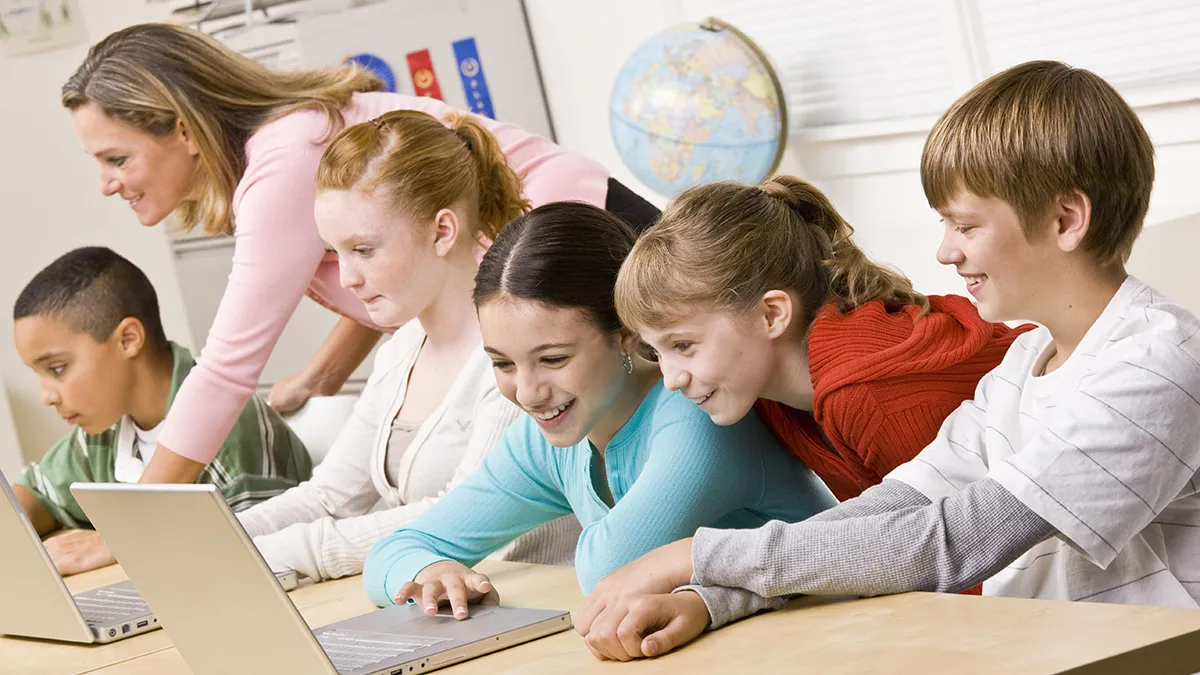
(422, 165)
(500, 197)
(724, 245)
(854, 279)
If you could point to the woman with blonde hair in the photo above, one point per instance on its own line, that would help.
(401, 201)
(181, 124)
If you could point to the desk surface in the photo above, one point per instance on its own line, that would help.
(35, 657)
(912, 633)
(21, 655)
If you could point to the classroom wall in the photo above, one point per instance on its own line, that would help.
(871, 176)
(11, 458)
(581, 47)
(51, 201)
(876, 183)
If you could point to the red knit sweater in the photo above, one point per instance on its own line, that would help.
(883, 384)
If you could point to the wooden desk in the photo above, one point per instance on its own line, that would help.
(36, 657)
(22, 655)
(914, 633)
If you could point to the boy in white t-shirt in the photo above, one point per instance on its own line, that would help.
(1072, 474)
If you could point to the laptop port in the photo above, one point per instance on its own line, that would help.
(143, 624)
(124, 628)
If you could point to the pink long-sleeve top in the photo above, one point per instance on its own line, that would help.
(278, 257)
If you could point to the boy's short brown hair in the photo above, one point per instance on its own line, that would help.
(1040, 129)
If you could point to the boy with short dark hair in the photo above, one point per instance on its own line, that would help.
(88, 325)
(1072, 475)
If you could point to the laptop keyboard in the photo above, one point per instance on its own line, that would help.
(354, 649)
(111, 604)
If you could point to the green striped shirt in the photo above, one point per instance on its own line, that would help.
(261, 458)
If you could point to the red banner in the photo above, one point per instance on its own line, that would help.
(424, 80)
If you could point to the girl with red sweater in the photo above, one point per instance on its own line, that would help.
(758, 297)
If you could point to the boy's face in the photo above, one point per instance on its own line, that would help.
(86, 381)
(1007, 274)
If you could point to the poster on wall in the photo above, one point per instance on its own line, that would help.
(474, 55)
(31, 26)
(376, 66)
(474, 82)
(424, 78)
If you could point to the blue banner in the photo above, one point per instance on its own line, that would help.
(479, 99)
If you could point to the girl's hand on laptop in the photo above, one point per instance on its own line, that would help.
(449, 582)
(647, 625)
(75, 551)
(660, 571)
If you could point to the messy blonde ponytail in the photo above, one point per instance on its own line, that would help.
(422, 165)
(724, 245)
(854, 279)
(499, 190)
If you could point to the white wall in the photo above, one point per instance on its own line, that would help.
(874, 180)
(876, 183)
(51, 203)
(581, 45)
(11, 458)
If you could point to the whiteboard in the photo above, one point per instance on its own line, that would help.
(391, 31)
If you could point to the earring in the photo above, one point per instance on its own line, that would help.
(627, 362)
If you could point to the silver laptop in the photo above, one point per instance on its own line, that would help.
(34, 601)
(162, 533)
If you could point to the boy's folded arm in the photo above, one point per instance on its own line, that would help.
(949, 545)
(726, 604)
(888, 496)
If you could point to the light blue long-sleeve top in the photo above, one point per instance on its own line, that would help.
(670, 471)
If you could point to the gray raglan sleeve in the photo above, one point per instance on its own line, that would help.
(891, 539)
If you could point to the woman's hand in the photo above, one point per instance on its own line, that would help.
(449, 582)
(290, 393)
(660, 571)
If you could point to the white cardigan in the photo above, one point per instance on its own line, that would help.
(324, 527)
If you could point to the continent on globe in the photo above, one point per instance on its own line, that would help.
(698, 103)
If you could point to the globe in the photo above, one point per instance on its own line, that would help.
(698, 103)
